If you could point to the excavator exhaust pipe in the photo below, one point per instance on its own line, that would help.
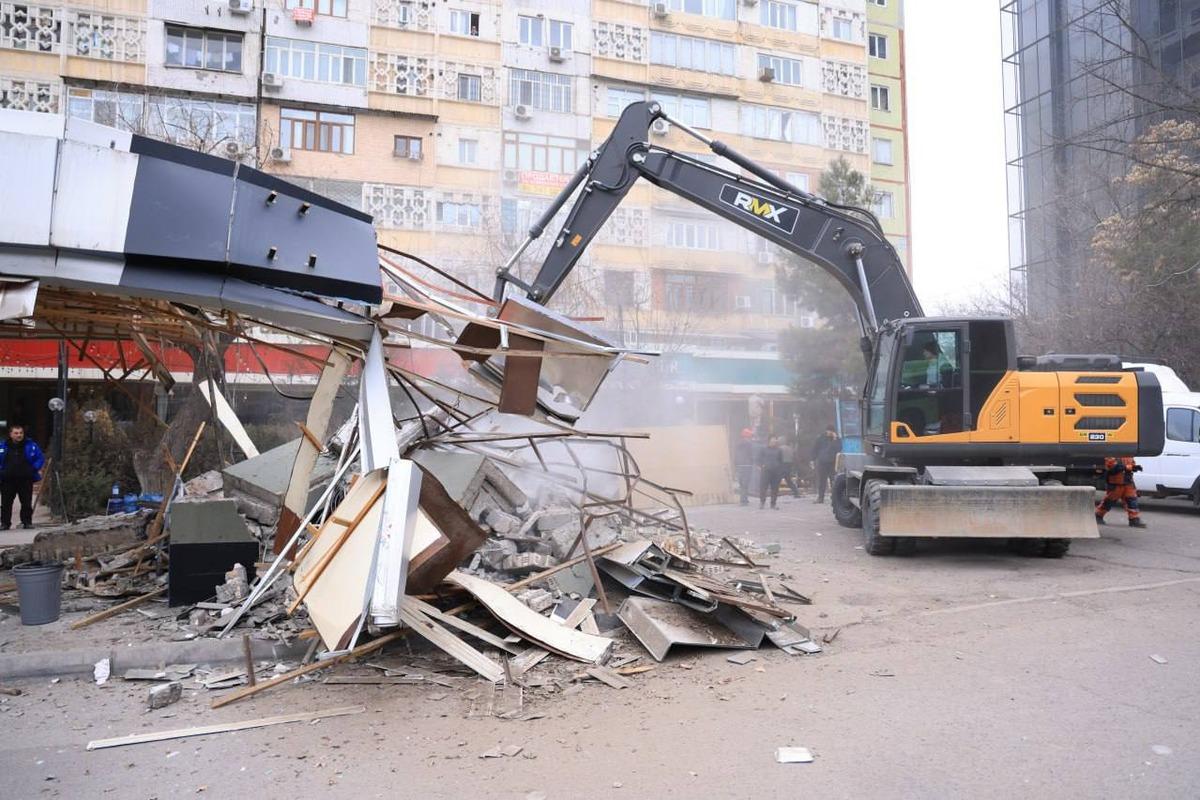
(1001, 512)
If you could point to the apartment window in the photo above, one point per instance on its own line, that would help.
(618, 98)
(692, 111)
(464, 23)
(314, 61)
(468, 151)
(194, 48)
(186, 121)
(787, 70)
(884, 205)
(881, 99)
(535, 152)
(689, 52)
(300, 129)
(775, 14)
(718, 9)
(542, 90)
(459, 215)
(881, 151)
(691, 292)
(693, 234)
(782, 124)
(798, 179)
(560, 34)
(407, 147)
(470, 88)
(877, 45)
(330, 8)
(842, 29)
(529, 30)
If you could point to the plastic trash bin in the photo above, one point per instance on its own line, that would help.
(39, 590)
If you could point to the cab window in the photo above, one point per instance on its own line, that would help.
(930, 397)
(877, 401)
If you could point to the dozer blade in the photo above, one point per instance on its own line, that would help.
(1051, 512)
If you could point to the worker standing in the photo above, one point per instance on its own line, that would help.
(770, 460)
(1120, 488)
(21, 461)
(824, 457)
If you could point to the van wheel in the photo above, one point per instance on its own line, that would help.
(1196, 493)
(846, 513)
(873, 543)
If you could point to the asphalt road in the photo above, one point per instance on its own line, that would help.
(963, 671)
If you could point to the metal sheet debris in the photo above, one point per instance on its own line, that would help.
(660, 625)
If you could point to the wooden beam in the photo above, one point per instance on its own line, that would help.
(117, 609)
(223, 727)
(361, 650)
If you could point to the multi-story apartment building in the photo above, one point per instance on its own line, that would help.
(454, 122)
(889, 121)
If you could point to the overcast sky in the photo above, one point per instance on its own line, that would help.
(956, 149)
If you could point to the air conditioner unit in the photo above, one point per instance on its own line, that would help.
(765, 258)
(303, 16)
(741, 302)
(240, 6)
(272, 80)
(766, 74)
(509, 176)
(281, 154)
(556, 54)
(522, 111)
(660, 127)
(661, 10)
(232, 149)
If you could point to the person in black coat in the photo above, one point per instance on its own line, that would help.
(770, 459)
(824, 456)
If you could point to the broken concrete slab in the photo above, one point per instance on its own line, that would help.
(88, 537)
(526, 563)
(265, 477)
(164, 694)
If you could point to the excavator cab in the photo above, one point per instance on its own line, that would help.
(932, 376)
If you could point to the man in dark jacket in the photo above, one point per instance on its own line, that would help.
(21, 461)
(824, 454)
(770, 459)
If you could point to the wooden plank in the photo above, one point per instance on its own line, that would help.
(526, 622)
(117, 609)
(738, 550)
(312, 437)
(372, 680)
(464, 626)
(579, 613)
(227, 417)
(589, 625)
(223, 727)
(606, 675)
(358, 652)
(448, 643)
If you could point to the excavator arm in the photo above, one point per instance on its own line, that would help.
(847, 243)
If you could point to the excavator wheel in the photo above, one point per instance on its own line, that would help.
(1056, 548)
(1030, 548)
(873, 543)
(846, 513)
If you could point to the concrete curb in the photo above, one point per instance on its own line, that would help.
(61, 663)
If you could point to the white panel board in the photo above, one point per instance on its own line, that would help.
(395, 535)
(26, 187)
(95, 188)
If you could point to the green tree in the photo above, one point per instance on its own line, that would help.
(842, 184)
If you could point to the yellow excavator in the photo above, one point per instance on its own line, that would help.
(961, 438)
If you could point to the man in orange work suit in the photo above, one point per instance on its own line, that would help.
(1118, 475)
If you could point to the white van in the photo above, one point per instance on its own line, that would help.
(1177, 470)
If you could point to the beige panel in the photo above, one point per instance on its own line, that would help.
(691, 457)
